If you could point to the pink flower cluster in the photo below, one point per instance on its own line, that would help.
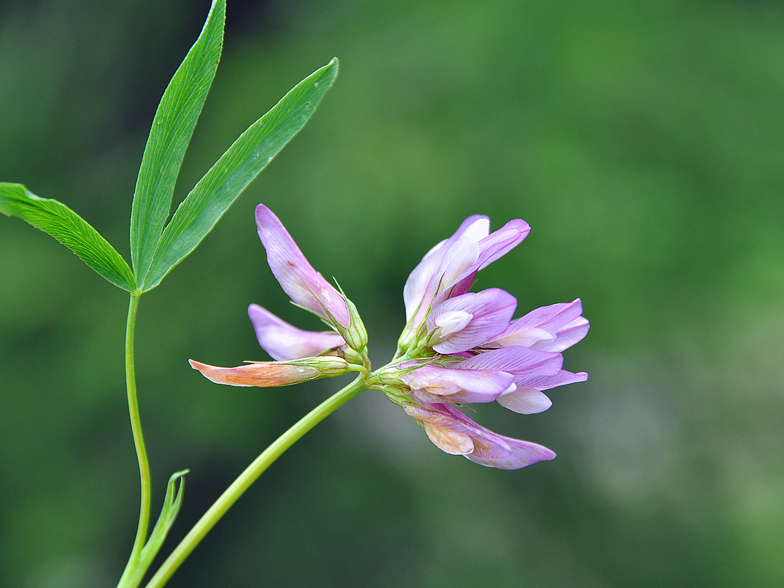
(457, 347)
(480, 353)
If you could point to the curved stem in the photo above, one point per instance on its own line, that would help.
(246, 478)
(128, 578)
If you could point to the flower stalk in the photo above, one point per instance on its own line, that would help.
(132, 574)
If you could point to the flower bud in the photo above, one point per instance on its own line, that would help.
(269, 374)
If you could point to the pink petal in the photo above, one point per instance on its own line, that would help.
(449, 268)
(304, 285)
(549, 328)
(502, 241)
(522, 453)
(284, 341)
(489, 313)
(551, 317)
(423, 278)
(465, 386)
(567, 336)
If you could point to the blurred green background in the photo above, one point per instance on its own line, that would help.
(643, 142)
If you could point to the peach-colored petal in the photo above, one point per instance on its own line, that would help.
(267, 374)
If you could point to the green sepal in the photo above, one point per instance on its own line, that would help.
(171, 131)
(62, 223)
(236, 168)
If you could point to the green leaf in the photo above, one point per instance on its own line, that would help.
(236, 168)
(171, 508)
(171, 132)
(70, 229)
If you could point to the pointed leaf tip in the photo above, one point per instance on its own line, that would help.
(236, 168)
(171, 508)
(170, 134)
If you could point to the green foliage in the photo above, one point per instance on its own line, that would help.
(171, 508)
(236, 168)
(70, 229)
(138, 566)
(155, 254)
(171, 132)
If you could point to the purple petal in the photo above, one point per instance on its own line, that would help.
(549, 328)
(502, 241)
(284, 341)
(451, 430)
(567, 336)
(522, 453)
(543, 382)
(464, 386)
(304, 285)
(519, 361)
(423, 281)
(467, 321)
(551, 317)
(461, 272)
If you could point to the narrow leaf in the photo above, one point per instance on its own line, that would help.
(171, 132)
(171, 508)
(70, 229)
(236, 168)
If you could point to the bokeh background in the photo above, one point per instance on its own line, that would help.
(643, 142)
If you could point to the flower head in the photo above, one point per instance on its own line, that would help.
(457, 347)
(460, 347)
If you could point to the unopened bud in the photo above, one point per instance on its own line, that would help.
(269, 374)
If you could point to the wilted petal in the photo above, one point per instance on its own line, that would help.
(264, 374)
(447, 385)
(489, 449)
(449, 440)
(464, 322)
(304, 285)
(284, 341)
(267, 374)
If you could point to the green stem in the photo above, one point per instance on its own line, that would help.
(132, 575)
(251, 473)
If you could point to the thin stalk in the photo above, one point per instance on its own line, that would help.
(246, 478)
(130, 576)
